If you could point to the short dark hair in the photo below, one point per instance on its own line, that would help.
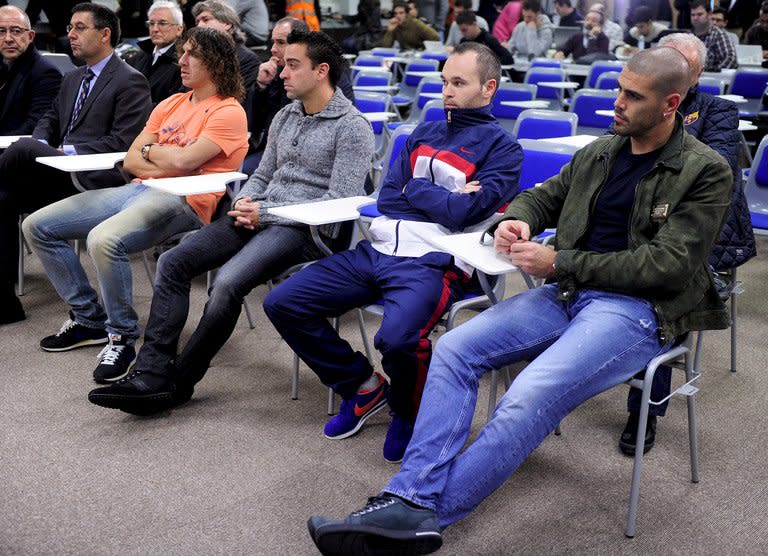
(564, 3)
(321, 49)
(722, 11)
(464, 4)
(764, 8)
(532, 6)
(488, 63)
(103, 18)
(400, 5)
(467, 17)
(218, 52)
(700, 4)
(296, 24)
(642, 14)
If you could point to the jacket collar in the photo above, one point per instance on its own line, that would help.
(671, 154)
(459, 118)
(337, 107)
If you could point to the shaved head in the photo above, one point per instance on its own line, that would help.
(668, 68)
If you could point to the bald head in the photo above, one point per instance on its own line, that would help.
(14, 12)
(690, 46)
(667, 67)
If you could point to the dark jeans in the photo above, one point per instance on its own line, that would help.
(415, 293)
(247, 258)
(660, 389)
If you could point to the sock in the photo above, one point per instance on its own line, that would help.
(372, 382)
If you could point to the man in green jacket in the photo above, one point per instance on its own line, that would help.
(636, 214)
(409, 32)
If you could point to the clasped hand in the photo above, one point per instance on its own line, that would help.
(512, 239)
(246, 214)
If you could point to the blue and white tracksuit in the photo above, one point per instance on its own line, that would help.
(420, 198)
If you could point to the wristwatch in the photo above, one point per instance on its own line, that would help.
(145, 151)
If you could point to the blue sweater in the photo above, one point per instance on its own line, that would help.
(470, 146)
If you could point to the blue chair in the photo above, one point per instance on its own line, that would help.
(542, 124)
(432, 55)
(542, 160)
(372, 62)
(376, 102)
(598, 68)
(546, 63)
(608, 80)
(506, 115)
(384, 52)
(756, 189)
(749, 83)
(433, 111)
(712, 86)
(537, 75)
(585, 103)
(394, 147)
(411, 81)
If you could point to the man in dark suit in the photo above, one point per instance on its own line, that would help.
(100, 107)
(28, 82)
(157, 58)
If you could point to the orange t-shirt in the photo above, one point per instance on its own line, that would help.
(177, 121)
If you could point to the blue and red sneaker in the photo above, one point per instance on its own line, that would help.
(355, 411)
(398, 436)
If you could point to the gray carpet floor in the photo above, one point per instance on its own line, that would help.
(239, 469)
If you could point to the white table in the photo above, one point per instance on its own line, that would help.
(323, 212)
(379, 116)
(605, 112)
(746, 125)
(572, 140)
(431, 95)
(379, 69)
(558, 84)
(7, 140)
(82, 163)
(195, 185)
(376, 88)
(579, 70)
(734, 98)
(525, 103)
(424, 73)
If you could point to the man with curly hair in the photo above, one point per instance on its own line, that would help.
(198, 132)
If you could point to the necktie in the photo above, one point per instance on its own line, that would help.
(86, 86)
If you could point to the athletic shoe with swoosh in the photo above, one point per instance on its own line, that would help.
(354, 412)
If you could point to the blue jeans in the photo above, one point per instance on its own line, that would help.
(247, 258)
(115, 222)
(576, 350)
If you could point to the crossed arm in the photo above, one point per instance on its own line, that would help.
(165, 161)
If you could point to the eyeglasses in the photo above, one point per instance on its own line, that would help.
(162, 23)
(79, 28)
(13, 31)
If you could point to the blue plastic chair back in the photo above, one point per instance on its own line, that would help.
(535, 78)
(371, 105)
(749, 83)
(532, 128)
(585, 105)
(538, 166)
(509, 112)
(546, 63)
(428, 87)
(413, 80)
(599, 68)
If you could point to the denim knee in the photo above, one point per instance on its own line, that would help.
(104, 244)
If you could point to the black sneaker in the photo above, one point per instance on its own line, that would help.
(628, 440)
(141, 393)
(73, 335)
(387, 525)
(115, 360)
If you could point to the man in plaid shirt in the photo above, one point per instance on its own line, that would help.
(720, 51)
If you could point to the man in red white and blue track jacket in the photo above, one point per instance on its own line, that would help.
(452, 176)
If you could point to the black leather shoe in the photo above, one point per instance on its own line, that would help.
(141, 393)
(628, 440)
(12, 310)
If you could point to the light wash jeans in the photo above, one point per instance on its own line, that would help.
(115, 222)
(576, 350)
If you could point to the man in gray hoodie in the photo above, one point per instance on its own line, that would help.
(532, 37)
(319, 147)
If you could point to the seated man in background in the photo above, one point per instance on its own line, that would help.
(409, 33)
(636, 215)
(157, 58)
(202, 131)
(451, 176)
(454, 37)
(532, 37)
(222, 17)
(28, 82)
(719, 18)
(591, 40)
(758, 33)
(721, 53)
(714, 122)
(319, 148)
(643, 32)
(471, 32)
(100, 108)
(567, 16)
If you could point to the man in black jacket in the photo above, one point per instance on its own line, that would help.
(470, 31)
(157, 58)
(100, 107)
(714, 122)
(28, 82)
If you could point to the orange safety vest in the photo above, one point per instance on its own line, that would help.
(301, 9)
